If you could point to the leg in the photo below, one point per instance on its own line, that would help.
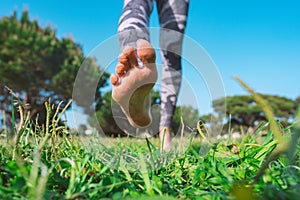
(172, 16)
(134, 21)
(134, 80)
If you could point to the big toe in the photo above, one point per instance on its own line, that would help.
(145, 51)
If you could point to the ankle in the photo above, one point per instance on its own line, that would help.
(165, 138)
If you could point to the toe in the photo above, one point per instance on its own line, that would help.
(114, 79)
(129, 52)
(120, 69)
(145, 51)
(123, 59)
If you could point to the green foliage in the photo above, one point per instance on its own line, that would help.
(37, 65)
(244, 111)
(49, 167)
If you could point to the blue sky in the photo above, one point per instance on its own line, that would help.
(257, 40)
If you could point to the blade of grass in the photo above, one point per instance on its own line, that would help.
(47, 133)
(37, 181)
(181, 149)
(124, 169)
(163, 140)
(14, 128)
(71, 185)
(229, 131)
(5, 125)
(200, 131)
(145, 175)
(265, 149)
(265, 108)
(150, 150)
(295, 137)
(282, 145)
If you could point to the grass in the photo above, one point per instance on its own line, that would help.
(51, 163)
(91, 167)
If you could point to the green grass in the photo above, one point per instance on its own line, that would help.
(51, 163)
(42, 165)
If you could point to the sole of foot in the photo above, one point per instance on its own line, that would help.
(136, 74)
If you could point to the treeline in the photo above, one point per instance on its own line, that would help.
(234, 112)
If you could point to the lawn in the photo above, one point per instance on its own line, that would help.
(52, 163)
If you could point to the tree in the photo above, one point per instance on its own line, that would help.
(245, 112)
(37, 65)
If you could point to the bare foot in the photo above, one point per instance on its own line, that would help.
(165, 139)
(133, 81)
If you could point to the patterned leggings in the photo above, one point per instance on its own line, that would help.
(133, 25)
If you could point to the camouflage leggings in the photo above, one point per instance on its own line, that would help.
(133, 25)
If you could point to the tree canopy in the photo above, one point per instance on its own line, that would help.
(245, 112)
(36, 64)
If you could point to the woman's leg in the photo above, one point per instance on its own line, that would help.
(172, 16)
(134, 21)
